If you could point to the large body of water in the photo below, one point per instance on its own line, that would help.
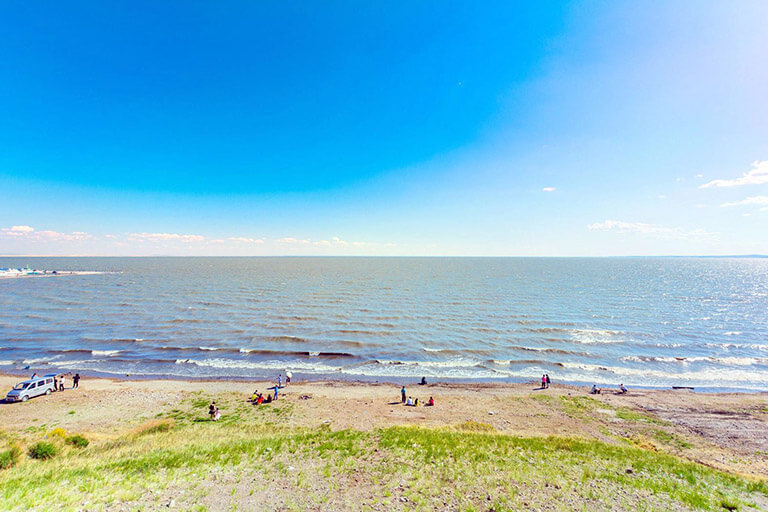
(642, 321)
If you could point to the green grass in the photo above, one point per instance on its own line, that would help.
(466, 467)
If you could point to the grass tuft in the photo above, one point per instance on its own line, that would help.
(43, 450)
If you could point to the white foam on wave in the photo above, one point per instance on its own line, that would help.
(105, 352)
(208, 348)
(590, 336)
(711, 377)
(246, 350)
(736, 361)
(6, 363)
(297, 366)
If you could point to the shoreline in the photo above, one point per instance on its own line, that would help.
(394, 381)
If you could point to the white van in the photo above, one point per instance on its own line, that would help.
(31, 388)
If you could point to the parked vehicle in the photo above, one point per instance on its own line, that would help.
(31, 388)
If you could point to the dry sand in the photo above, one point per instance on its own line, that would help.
(723, 430)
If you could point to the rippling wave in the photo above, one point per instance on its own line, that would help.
(640, 321)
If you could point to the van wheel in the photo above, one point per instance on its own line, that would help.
(48, 391)
(24, 398)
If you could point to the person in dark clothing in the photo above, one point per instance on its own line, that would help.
(212, 410)
(402, 394)
(76, 381)
(548, 381)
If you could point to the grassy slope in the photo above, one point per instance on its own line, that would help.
(249, 461)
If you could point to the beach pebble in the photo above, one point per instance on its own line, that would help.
(491, 413)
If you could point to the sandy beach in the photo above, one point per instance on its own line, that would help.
(724, 431)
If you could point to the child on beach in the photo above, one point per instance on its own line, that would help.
(431, 402)
(217, 415)
(212, 410)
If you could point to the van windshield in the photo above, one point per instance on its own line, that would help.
(21, 385)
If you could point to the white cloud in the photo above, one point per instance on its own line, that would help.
(548, 189)
(165, 237)
(651, 230)
(661, 196)
(754, 200)
(29, 233)
(293, 241)
(757, 176)
(245, 240)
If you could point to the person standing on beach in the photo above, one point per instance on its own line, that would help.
(280, 380)
(543, 382)
(276, 389)
(402, 394)
(288, 376)
(61, 383)
(76, 381)
(548, 381)
(212, 410)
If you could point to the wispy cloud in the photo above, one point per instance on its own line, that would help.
(245, 240)
(30, 233)
(757, 176)
(289, 240)
(761, 201)
(548, 189)
(652, 230)
(164, 237)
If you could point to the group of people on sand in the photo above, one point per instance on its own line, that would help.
(545, 382)
(597, 391)
(59, 381)
(413, 402)
(259, 398)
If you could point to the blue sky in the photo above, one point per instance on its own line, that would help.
(419, 128)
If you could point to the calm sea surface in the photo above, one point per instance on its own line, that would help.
(641, 321)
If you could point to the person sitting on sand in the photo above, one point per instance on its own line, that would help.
(595, 390)
(269, 399)
(255, 395)
(416, 403)
(622, 389)
(431, 402)
(423, 381)
(212, 410)
(409, 402)
(259, 399)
